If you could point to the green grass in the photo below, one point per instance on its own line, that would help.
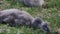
(50, 14)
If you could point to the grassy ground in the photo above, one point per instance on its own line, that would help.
(50, 13)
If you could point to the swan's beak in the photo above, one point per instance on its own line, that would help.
(46, 28)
